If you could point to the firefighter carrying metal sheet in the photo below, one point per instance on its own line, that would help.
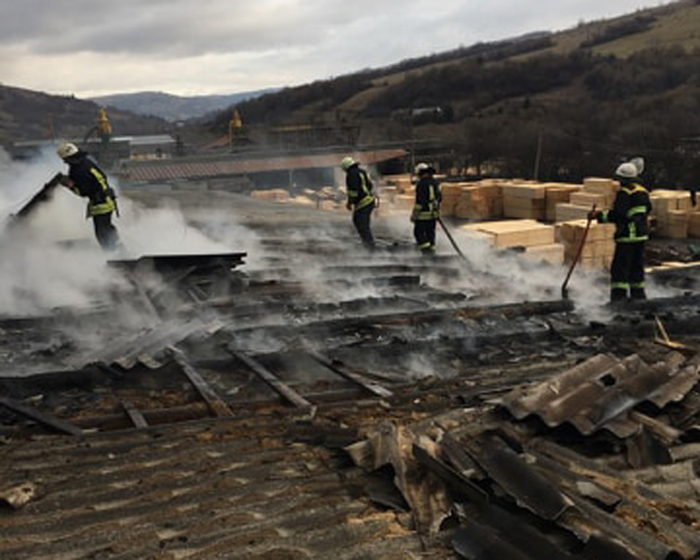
(361, 199)
(630, 214)
(427, 208)
(86, 179)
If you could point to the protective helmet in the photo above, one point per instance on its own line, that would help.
(347, 163)
(627, 170)
(67, 150)
(424, 168)
(638, 162)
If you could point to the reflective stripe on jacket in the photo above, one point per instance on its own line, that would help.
(629, 214)
(428, 197)
(359, 188)
(91, 182)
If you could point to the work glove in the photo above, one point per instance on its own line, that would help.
(64, 180)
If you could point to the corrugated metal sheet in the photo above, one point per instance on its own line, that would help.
(155, 171)
(600, 392)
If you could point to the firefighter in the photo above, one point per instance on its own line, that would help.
(427, 208)
(629, 213)
(361, 199)
(86, 179)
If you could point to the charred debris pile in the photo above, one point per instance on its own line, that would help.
(379, 410)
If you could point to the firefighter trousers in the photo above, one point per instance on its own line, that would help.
(424, 233)
(627, 271)
(361, 219)
(105, 232)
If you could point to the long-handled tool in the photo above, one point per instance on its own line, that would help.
(564, 291)
(449, 236)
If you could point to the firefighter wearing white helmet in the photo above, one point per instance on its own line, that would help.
(630, 214)
(426, 210)
(87, 180)
(361, 199)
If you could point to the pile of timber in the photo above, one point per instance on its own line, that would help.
(271, 194)
(596, 191)
(598, 248)
(535, 238)
(674, 213)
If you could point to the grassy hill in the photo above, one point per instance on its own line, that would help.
(31, 115)
(586, 96)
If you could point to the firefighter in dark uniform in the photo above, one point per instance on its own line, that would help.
(427, 208)
(86, 179)
(361, 198)
(629, 213)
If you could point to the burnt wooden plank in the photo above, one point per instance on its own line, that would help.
(272, 380)
(42, 417)
(134, 414)
(369, 385)
(215, 403)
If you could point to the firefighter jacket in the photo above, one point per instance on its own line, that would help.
(90, 181)
(428, 198)
(629, 213)
(359, 188)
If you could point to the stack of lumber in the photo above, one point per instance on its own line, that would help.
(403, 183)
(271, 194)
(595, 190)
(597, 252)
(478, 201)
(672, 210)
(450, 198)
(694, 224)
(524, 200)
(535, 238)
(557, 193)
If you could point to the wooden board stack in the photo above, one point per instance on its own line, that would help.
(672, 210)
(557, 193)
(271, 194)
(536, 238)
(478, 201)
(598, 249)
(524, 200)
(595, 190)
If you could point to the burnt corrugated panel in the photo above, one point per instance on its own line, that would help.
(174, 169)
(227, 489)
(599, 393)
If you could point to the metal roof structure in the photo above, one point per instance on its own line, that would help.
(157, 171)
(332, 402)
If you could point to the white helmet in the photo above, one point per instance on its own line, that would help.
(424, 168)
(67, 150)
(627, 170)
(347, 163)
(638, 162)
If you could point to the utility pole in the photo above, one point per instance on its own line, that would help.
(538, 156)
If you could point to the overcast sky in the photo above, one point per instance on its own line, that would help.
(196, 47)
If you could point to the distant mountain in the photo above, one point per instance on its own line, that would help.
(174, 107)
(32, 115)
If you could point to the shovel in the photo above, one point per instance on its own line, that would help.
(564, 290)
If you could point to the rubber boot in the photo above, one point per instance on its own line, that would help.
(637, 293)
(618, 297)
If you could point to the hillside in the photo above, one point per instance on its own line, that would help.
(173, 107)
(30, 115)
(576, 100)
